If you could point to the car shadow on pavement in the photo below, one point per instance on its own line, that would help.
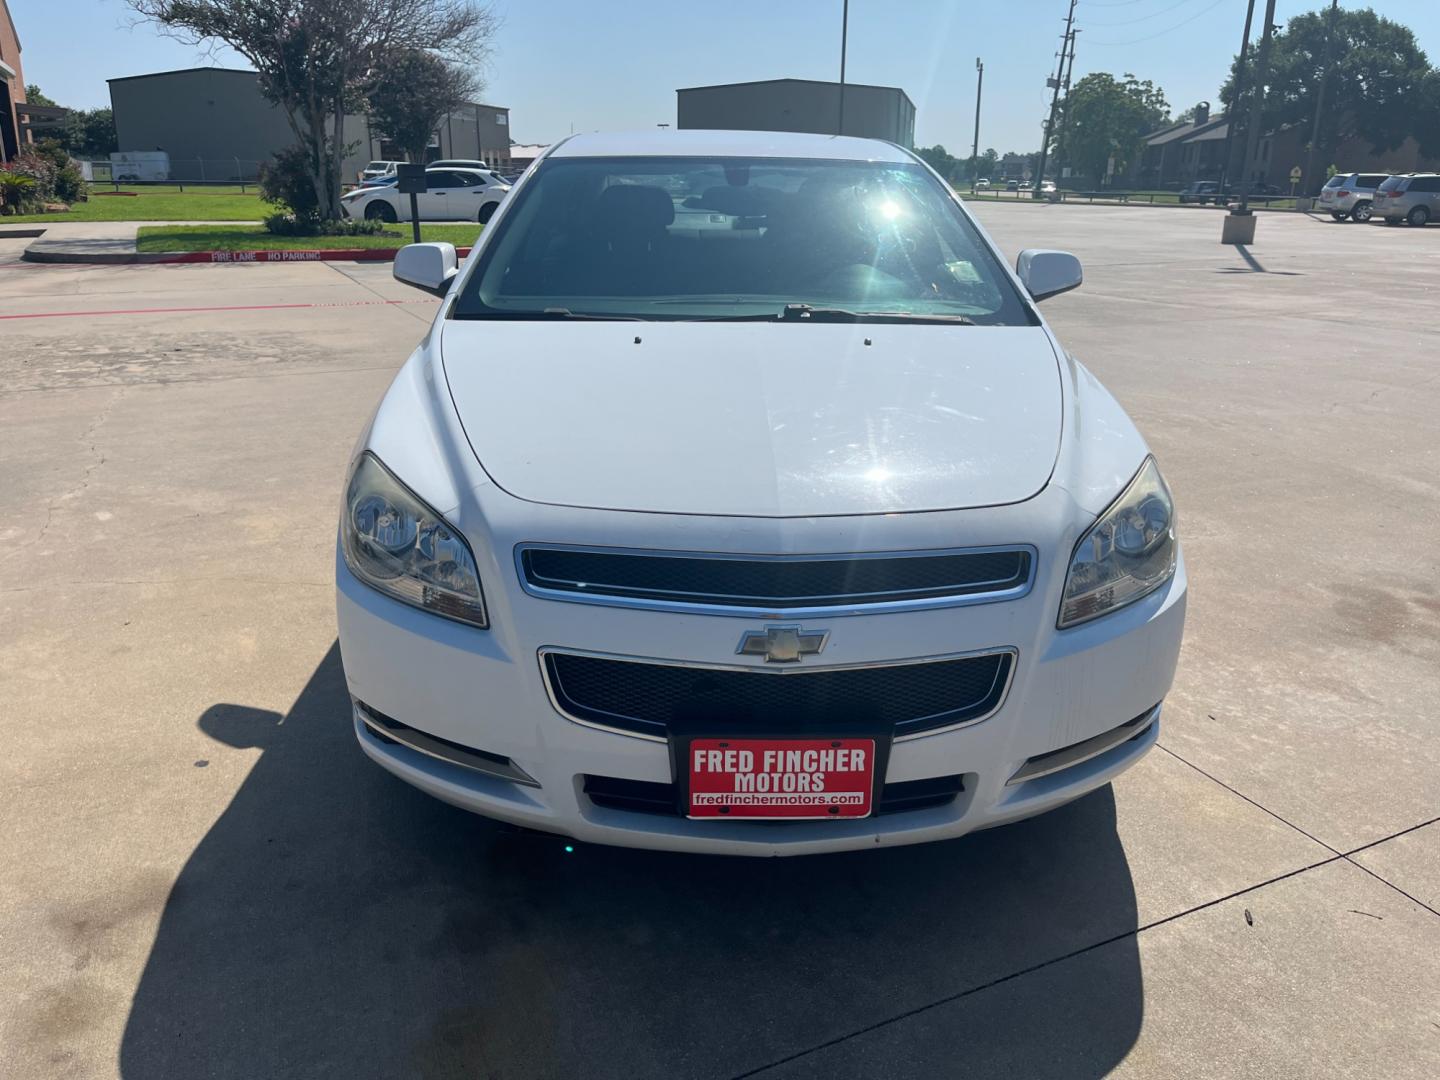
(336, 923)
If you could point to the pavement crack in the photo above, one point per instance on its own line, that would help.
(1346, 855)
(88, 438)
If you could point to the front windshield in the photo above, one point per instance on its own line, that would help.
(712, 238)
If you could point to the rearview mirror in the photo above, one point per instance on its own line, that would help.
(1048, 273)
(427, 266)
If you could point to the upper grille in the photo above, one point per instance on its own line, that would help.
(775, 583)
(906, 698)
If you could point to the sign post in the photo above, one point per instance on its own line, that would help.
(410, 180)
(1294, 178)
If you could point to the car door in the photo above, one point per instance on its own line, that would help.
(441, 185)
(1426, 192)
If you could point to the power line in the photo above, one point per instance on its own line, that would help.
(1142, 18)
(1162, 33)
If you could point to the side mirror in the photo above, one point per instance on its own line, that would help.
(427, 266)
(1043, 273)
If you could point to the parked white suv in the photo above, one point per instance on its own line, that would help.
(1350, 195)
(1412, 198)
(801, 535)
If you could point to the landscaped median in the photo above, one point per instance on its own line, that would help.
(155, 239)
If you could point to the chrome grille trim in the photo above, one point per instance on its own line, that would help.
(782, 672)
(1004, 589)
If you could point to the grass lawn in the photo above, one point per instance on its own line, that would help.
(159, 203)
(250, 238)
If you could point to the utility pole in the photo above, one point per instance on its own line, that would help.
(975, 146)
(844, 35)
(1054, 99)
(1065, 122)
(1236, 98)
(1252, 137)
(1308, 181)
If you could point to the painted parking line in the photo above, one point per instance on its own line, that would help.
(220, 307)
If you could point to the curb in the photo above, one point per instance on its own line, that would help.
(288, 255)
(21, 233)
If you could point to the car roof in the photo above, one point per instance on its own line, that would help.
(782, 144)
(455, 168)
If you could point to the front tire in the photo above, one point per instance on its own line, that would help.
(1418, 216)
(381, 211)
(487, 212)
(1361, 213)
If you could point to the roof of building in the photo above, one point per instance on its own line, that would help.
(694, 143)
(1186, 131)
(186, 71)
(813, 82)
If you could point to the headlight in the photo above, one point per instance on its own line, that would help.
(1127, 554)
(395, 543)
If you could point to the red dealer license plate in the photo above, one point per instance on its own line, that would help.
(781, 778)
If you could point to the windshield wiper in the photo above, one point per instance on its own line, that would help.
(810, 313)
(566, 313)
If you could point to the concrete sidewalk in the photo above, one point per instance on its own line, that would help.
(97, 241)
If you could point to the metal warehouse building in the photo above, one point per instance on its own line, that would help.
(216, 125)
(874, 112)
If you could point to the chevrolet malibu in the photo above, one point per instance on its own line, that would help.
(740, 500)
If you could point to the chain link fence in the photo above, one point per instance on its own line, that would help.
(178, 171)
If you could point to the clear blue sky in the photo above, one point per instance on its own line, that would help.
(616, 65)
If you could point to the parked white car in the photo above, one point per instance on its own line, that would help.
(801, 536)
(453, 195)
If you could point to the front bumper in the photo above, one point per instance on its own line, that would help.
(483, 690)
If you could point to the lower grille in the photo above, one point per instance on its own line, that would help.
(645, 697)
(648, 797)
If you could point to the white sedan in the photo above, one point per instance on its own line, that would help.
(798, 536)
(452, 195)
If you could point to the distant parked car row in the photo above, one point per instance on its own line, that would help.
(1413, 198)
(1210, 191)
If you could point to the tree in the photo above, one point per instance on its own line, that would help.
(939, 159)
(89, 134)
(1104, 118)
(412, 93)
(315, 57)
(1376, 79)
(35, 96)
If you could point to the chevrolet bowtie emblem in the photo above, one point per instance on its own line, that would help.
(782, 644)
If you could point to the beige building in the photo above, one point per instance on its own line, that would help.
(874, 112)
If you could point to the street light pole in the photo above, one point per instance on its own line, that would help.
(1309, 181)
(975, 146)
(844, 36)
(1252, 137)
(1236, 98)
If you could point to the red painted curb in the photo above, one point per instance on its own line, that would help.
(287, 255)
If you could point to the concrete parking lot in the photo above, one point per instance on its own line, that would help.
(203, 876)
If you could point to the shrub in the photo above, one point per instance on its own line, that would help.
(290, 225)
(39, 169)
(17, 194)
(68, 182)
(285, 182)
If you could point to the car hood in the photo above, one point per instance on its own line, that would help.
(757, 419)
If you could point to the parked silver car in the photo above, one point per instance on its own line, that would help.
(1414, 197)
(1351, 195)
